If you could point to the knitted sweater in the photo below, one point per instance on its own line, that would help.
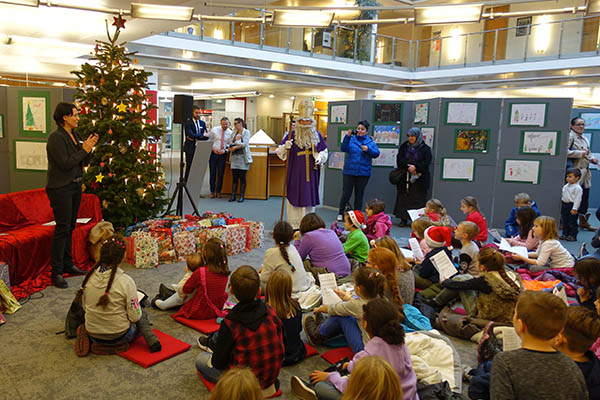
(499, 305)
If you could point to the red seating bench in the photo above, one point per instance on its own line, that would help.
(25, 242)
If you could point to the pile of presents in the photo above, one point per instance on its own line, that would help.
(173, 238)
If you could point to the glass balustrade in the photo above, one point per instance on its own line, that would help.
(542, 37)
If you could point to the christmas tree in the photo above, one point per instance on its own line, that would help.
(126, 177)
(29, 121)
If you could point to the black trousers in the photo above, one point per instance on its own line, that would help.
(216, 164)
(585, 201)
(570, 227)
(65, 203)
(238, 174)
(353, 183)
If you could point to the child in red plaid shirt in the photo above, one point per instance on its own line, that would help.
(250, 336)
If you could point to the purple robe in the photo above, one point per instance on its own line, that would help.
(301, 193)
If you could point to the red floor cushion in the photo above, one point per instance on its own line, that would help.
(338, 354)
(201, 325)
(139, 352)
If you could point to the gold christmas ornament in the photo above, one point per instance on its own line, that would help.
(104, 101)
(140, 191)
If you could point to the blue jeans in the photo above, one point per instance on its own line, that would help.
(204, 366)
(326, 391)
(216, 165)
(127, 337)
(347, 325)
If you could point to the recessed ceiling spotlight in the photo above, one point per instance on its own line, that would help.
(271, 96)
(293, 98)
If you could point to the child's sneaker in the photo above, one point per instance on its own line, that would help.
(582, 250)
(203, 343)
(82, 341)
(302, 390)
(311, 328)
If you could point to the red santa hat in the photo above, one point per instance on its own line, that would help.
(357, 218)
(438, 236)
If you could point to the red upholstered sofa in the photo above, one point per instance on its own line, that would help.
(25, 243)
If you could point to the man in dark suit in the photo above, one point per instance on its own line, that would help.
(194, 130)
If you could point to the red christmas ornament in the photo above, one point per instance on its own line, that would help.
(102, 164)
(110, 175)
(110, 131)
(94, 185)
(119, 22)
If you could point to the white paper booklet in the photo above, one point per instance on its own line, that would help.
(510, 339)
(520, 250)
(416, 248)
(407, 253)
(79, 221)
(494, 233)
(561, 293)
(328, 285)
(415, 214)
(444, 265)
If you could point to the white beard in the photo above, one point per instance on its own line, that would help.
(306, 136)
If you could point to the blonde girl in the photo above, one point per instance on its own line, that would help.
(237, 384)
(279, 296)
(373, 378)
(418, 231)
(550, 252)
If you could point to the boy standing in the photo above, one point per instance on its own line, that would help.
(537, 370)
(250, 336)
(571, 199)
(511, 226)
(357, 244)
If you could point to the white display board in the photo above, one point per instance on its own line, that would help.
(461, 169)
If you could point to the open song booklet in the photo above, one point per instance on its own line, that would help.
(444, 265)
(416, 213)
(520, 250)
(328, 285)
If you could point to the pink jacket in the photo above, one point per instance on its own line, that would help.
(378, 225)
(531, 242)
(596, 348)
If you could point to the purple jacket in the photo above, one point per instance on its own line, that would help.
(325, 251)
(397, 356)
(378, 225)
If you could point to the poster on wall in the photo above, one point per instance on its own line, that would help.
(458, 169)
(336, 160)
(471, 140)
(525, 171)
(387, 112)
(34, 113)
(30, 156)
(422, 113)
(592, 120)
(386, 134)
(527, 115)
(343, 131)
(462, 113)
(338, 114)
(533, 142)
(387, 158)
(588, 136)
(428, 133)
(523, 26)
(1, 126)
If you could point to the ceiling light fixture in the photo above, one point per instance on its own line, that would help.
(298, 18)
(271, 96)
(156, 11)
(448, 14)
(30, 3)
(227, 95)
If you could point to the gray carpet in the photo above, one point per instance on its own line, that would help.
(35, 363)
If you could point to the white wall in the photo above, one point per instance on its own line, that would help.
(273, 107)
(454, 47)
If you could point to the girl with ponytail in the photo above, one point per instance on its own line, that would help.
(113, 315)
(382, 323)
(496, 289)
(284, 256)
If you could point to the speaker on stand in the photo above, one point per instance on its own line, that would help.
(182, 114)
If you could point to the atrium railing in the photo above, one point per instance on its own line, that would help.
(544, 40)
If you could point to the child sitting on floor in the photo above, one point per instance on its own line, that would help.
(113, 315)
(250, 336)
(491, 296)
(436, 213)
(466, 232)
(382, 322)
(587, 271)
(237, 384)
(550, 252)
(512, 226)
(525, 237)
(285, 257)
(346, 316)
(439, 239)
(582, 329)
(279, 296)
(167, 298)
(537, 370)
(209, 282)
(357, 245)
(470, 208)
(378, 223)
(418, 227)
(373, 378)
(406, 278)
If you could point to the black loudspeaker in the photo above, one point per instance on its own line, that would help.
(183, 108)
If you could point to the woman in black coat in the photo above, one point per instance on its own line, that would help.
(413, 161)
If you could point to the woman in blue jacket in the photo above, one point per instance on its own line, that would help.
(360, 149)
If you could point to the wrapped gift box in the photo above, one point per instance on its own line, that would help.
(142, 250)
(185, 244)
(257, 234)
(4, 274)
(203, 235)
(235, 238)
